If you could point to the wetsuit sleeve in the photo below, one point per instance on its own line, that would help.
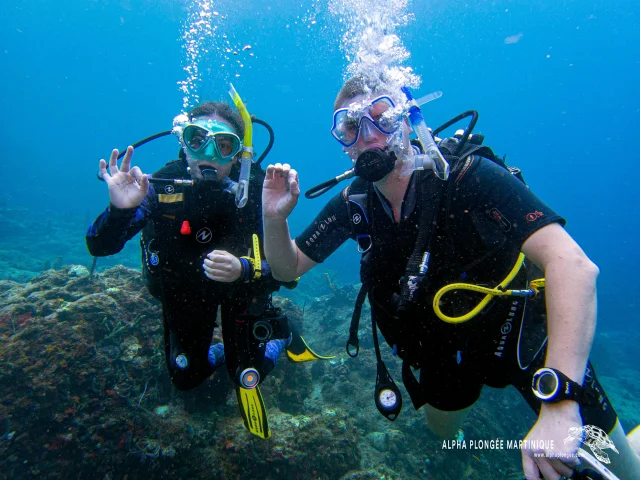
(115, 226)
(330, 229)
(503, 203)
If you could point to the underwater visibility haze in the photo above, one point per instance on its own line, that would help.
(84, 391)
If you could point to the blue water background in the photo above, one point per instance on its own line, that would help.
(82, 77)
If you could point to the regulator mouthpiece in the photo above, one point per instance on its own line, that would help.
(375, 164)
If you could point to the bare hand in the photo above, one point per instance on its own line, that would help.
(553, 425)
(221, 266)
(280, 191)
(127, 186)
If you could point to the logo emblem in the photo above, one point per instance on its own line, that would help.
(154, 260)
(533, 216)
(495, 214)
(170, 189)
(356, 219)
(595, 438)
(322, 227)
(204, 235)
(506, 328)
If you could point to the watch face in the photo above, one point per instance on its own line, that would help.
(388, 398)
(546, 384)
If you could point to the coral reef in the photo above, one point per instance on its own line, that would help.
(84, 391)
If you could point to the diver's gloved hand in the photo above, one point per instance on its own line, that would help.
(280, 191)
(551, 429)
(127, 186)
(222, 266)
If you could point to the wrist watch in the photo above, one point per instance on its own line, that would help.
(551, 386)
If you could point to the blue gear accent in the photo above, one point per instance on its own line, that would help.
(181, 361)
(216, 355)
(274, 348)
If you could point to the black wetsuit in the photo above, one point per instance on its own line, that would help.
(172, 265)
(484, 219)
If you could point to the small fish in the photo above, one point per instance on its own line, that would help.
(513, 39)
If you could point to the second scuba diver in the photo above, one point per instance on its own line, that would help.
(201, 224)
(462, 229)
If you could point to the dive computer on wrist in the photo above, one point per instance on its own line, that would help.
(551, 385)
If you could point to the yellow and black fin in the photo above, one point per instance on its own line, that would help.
(298, 351)
(253, 411)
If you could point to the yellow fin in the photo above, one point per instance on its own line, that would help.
(253, 411)
(298, 351)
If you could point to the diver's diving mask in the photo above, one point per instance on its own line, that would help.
(210, 140)
(381, 112)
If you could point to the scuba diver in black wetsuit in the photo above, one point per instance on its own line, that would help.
(201, 225)
(443, 265)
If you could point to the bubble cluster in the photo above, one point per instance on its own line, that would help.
(370, 42)
(205, 42)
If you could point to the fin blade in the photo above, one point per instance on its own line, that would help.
(298, 351)
(253, 411)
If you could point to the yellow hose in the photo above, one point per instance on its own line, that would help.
(247, 150)
(490, 293)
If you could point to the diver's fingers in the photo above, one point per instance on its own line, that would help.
(277, 171)
(546, 469)
(103, 169)
(212, 276)
(212, 265)
(136, 174)
(218, 255)
(217, 273)
(126, 161)
(113, 162)
(144, 185)
(529, 467)
(561, 466)
(270, 172)
(294, 183)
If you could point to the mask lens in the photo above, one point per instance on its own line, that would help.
(381, 112)
(348, 121)
(345, 127)
(228, 144)
(195, 137)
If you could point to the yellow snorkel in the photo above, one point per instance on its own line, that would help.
(242, 192)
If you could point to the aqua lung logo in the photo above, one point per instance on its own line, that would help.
(321, 227)
(204, 235)
(169, 189)
(356, 219)
(154, 260)
(506, 328)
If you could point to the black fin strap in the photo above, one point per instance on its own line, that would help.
(353, 341)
